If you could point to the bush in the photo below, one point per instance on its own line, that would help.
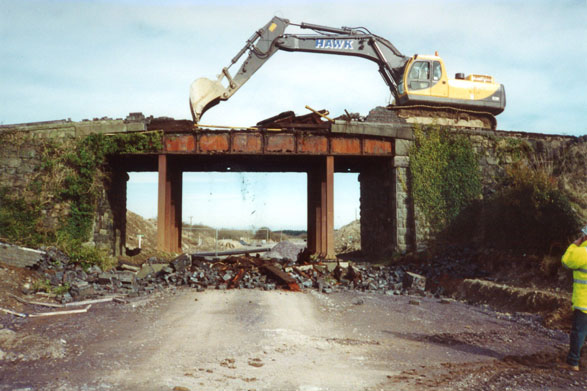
(530, 212)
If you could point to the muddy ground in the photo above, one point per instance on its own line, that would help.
(277, 340)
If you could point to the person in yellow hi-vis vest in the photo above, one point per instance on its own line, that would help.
(575, 258)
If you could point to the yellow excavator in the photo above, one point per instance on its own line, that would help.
(419, 84)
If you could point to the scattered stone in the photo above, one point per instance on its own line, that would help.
(286, 250)
(228, 363)
(27, 289)
(66, 298)
(126, 278)
(20, 256)
(104, 278)
(181, 263)
(94, 269)
(81, 290)
(150, 269)
(69, 277)
(414, 281)
(255, 362)
(253, 272)
(414, 302)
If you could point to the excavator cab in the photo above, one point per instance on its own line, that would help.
(425, 82)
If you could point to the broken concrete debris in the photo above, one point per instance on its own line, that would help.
(244, 272)
(414, 281)
(20, 256)
(233, 272)
(130, 282)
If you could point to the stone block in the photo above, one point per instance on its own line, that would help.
(181, 263)
(135, 126)
(106, 126)
(20, 256)
(81, 290)
(402, 147)
(401, 161)
(126, 278)
(414, 281)
(105, 278)
(69, 277)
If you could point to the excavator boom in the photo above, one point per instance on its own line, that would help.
(206, 93)
(420, 81)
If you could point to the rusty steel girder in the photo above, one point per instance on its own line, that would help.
(252, 142)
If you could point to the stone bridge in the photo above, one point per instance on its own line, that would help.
(377, 149)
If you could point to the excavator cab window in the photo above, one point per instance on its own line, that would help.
(437, 71)
(419, 76)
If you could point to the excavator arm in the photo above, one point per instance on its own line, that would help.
(206, 93)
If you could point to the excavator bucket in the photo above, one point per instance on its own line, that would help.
(204, 94)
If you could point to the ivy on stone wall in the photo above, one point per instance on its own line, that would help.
(445, 175)
(89, 157)
(69, 175)
(19, 219)
(512, 149)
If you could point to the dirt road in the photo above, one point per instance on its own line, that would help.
(256, 340)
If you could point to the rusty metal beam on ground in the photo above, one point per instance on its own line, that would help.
(281, 276)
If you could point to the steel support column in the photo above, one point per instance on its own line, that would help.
(314, 213)
(321, 209)
(169, 206)
(176, 200)
(327, 208)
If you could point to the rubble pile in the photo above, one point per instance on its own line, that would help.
(286, 250)
(234, 272)
(456, 262)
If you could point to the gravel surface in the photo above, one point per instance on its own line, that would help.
(275, 340)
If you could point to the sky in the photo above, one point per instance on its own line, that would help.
(91, 59)
(246, 200)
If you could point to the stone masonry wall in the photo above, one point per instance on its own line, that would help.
(22, 150)
(21, 158)
(378, 219)
(563, 156)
